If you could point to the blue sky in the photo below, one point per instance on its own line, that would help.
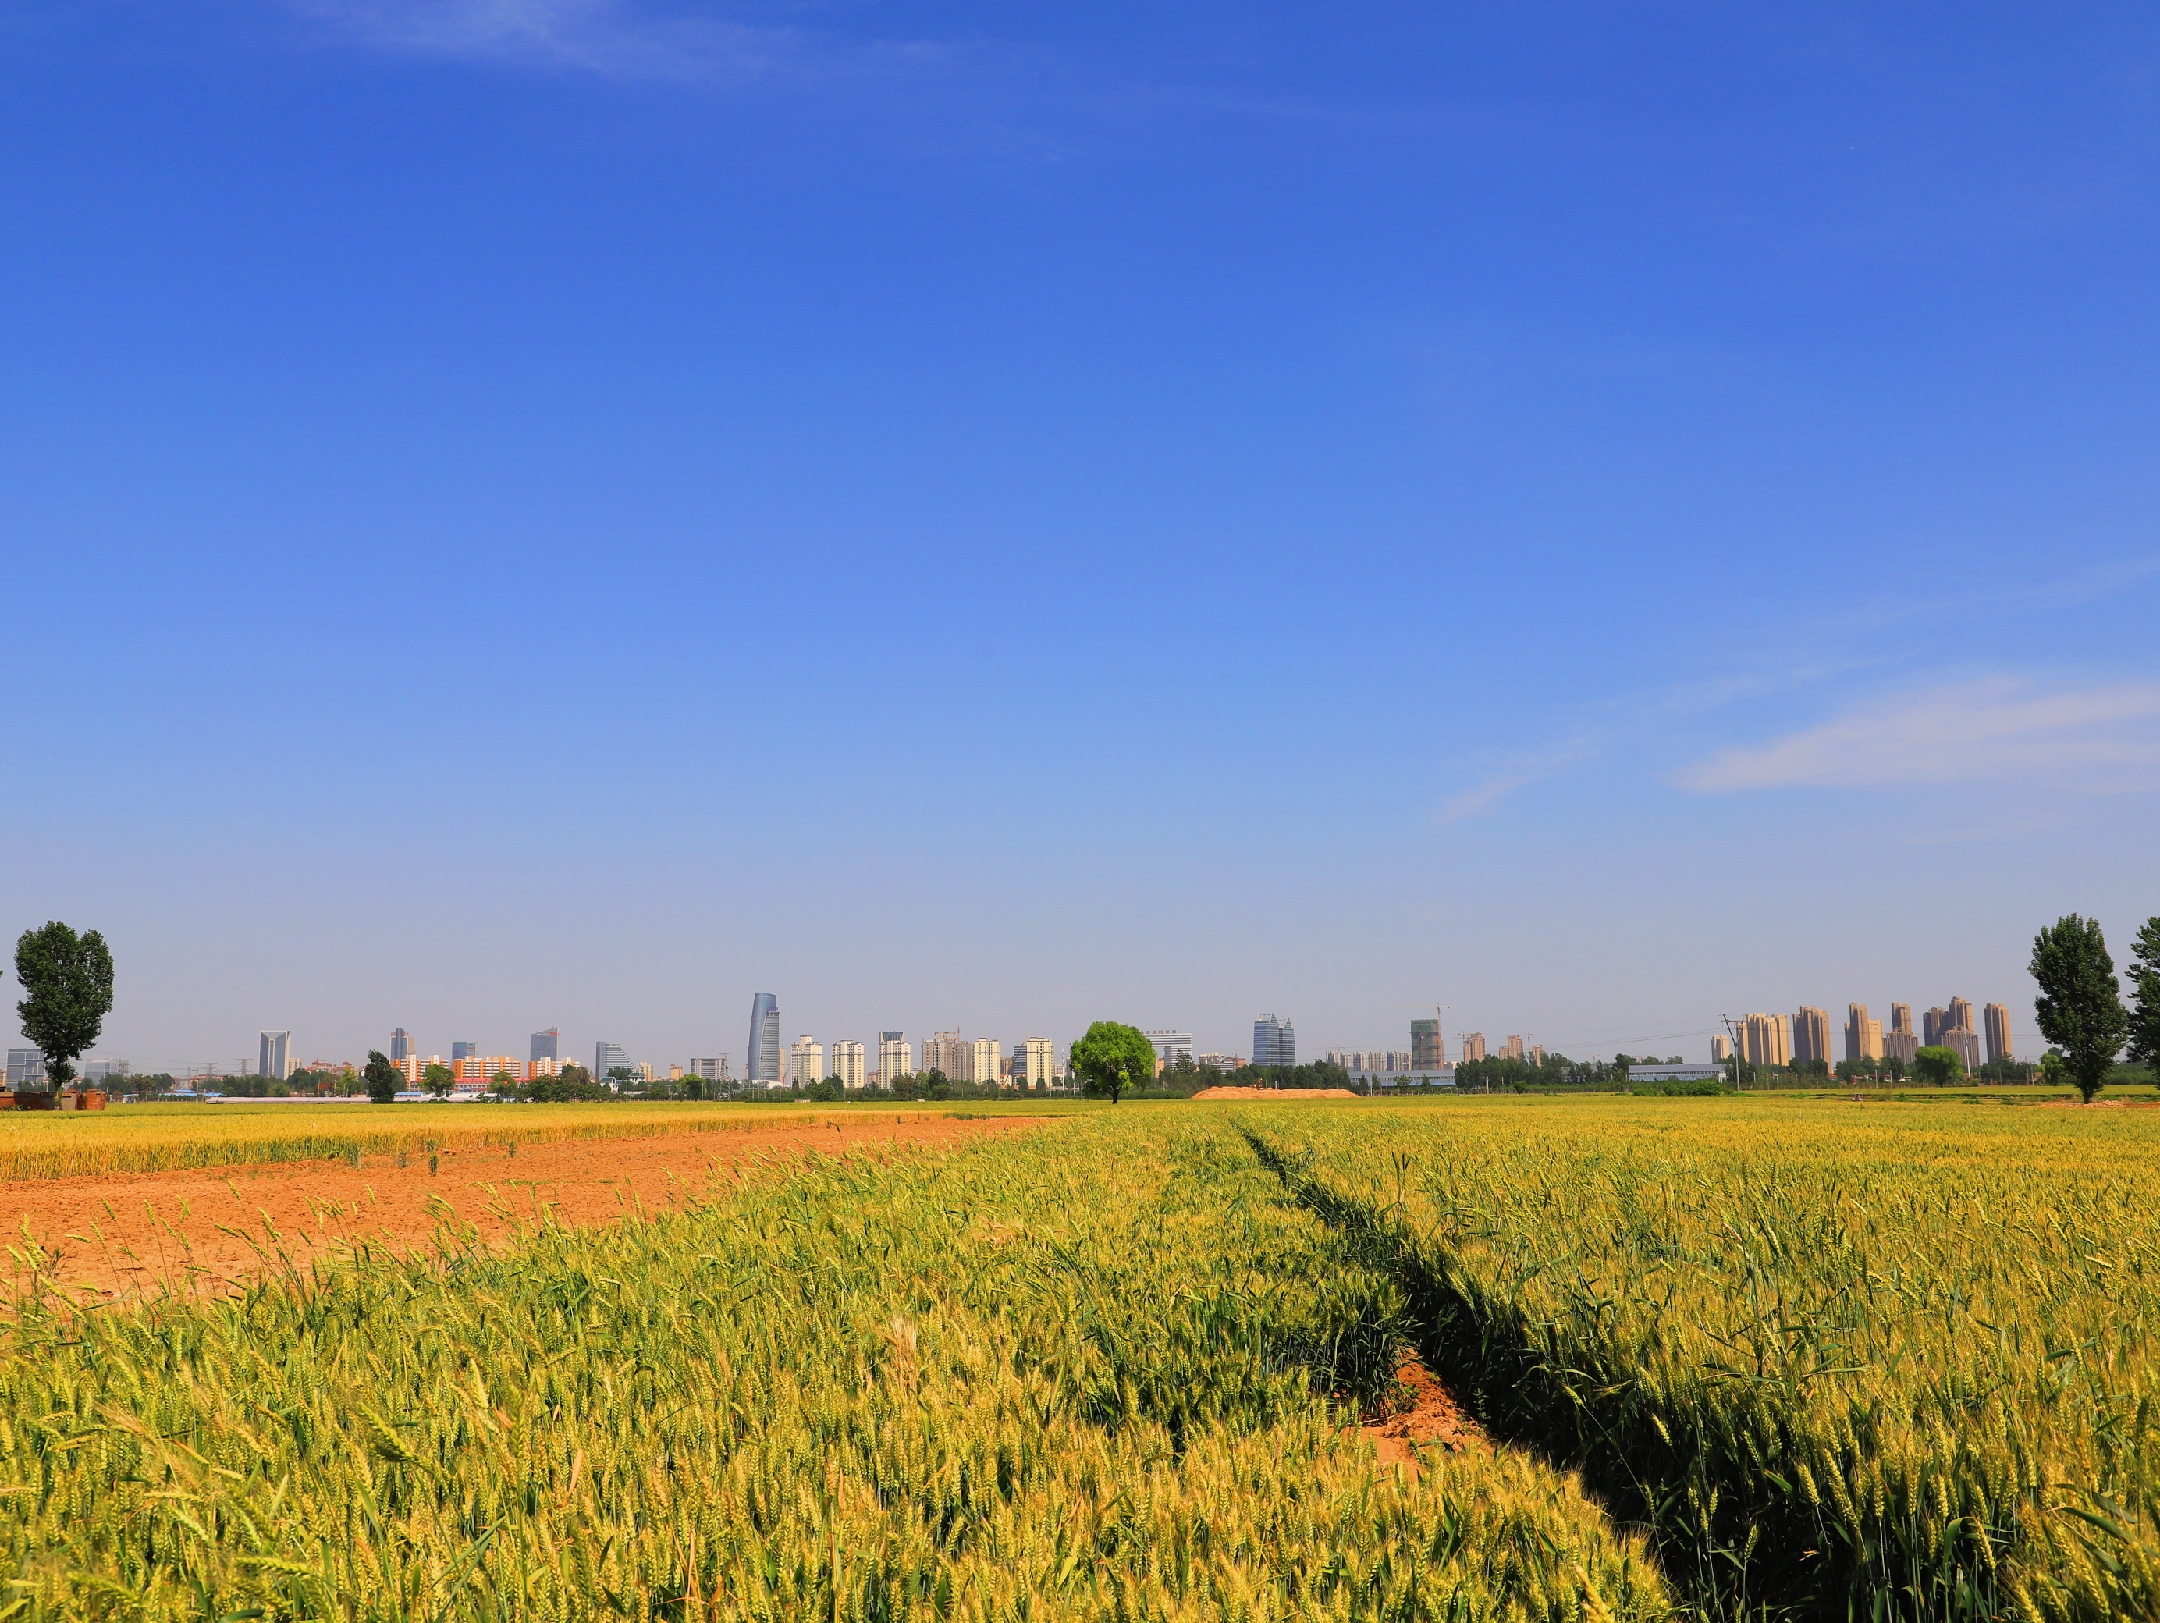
(524, 514)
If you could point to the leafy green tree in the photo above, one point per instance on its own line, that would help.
(2145, 997)
(438, 1079)
(67, 981)
(382, 1077)
(1937, 1066)
(1111, 1059)
(2079, 1008)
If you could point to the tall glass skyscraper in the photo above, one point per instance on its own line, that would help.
(1274, 1042)
(276, 1057)
(460, 1051)
(400, 1046)
(544, 1044)
(763, 1064)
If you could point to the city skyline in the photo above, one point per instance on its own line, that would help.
(1806, 1034)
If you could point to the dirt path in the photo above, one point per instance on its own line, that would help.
(114, 1237)
(1433, 1417)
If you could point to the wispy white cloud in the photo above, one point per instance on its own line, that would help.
(613, 38)
(1517, 772)
(1991, 728)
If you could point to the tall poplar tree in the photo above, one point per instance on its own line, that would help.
(2080, 1007)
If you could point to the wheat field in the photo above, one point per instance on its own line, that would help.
(1102, 1370)
(1877, 1361)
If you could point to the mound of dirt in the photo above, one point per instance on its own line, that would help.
(1274, 1093)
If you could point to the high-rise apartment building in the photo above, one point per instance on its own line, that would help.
(400, 1046)
(276, 1055)
(713, 1069)
(805, 1061)
(763, 1063)
(607, 1057)
(1512, 1048)
(1473, 1047)
(1034, 1063)
(895, 1056)
(1964, 1042)
(1720, 1050)
(1961, 1016)
(1863, 1037)
(847, 1063)
(947, 1052)
(1934, 1023)
(1274, 1042)
(546, 1043)
(1811, 1036)
(1428, 1049)
(1997, 1017)
(983, 1060)
(1901, 1042)
(1168, 1045)
(1766, 1039)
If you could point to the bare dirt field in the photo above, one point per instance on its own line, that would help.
(1291, 1094)
(112, 1237)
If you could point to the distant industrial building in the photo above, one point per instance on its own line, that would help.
(1374, 1061)
(275, 1055)
(1168, 1046)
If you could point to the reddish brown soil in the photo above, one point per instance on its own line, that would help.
(1274, 1093)
(109, 1238)
(1432, 1418)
